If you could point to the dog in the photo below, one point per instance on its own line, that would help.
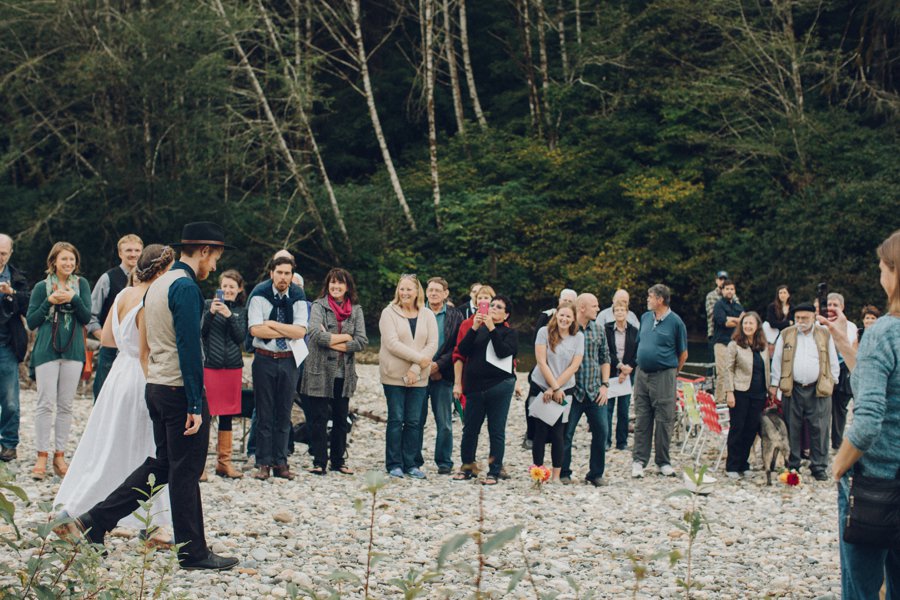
(774, 435)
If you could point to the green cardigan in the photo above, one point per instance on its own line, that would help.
(37, 319)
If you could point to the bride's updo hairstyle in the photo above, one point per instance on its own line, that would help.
(155, 259)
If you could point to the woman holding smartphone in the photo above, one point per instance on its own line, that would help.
(489, 348)
(222, 329)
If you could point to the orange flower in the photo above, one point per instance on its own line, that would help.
(539, 474)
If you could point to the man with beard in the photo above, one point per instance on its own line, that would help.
(805, 368)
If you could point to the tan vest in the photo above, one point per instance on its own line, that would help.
(163, 368)
(825, 384)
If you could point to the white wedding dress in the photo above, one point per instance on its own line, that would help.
(119, 434)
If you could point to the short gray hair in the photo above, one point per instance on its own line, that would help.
(6, 238)
(662, 292)
(836, 296)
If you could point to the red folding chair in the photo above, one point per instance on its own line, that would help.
(713, 425)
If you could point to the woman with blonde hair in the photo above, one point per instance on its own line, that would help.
(409, 339)
(558, 350)
(59, 309)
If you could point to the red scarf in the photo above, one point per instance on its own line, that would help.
(341, 311)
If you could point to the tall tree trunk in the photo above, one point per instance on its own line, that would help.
(578, 24)
(467, 65)
(363, 62)
(450, 47)
(541, 25)
(561, 29)
(534, 100)
(427, 14)
(296, 172)
(301, 94)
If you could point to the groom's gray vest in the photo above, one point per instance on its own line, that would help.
(164, 367)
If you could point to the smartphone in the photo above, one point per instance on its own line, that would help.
(822, 297)
(483, 307)
(220, 295)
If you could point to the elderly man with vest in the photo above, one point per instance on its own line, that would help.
(102, 297)
(805, 368)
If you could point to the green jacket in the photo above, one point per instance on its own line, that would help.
(38, 320)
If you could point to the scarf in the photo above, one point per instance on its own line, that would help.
(342, 311)
(286, 303)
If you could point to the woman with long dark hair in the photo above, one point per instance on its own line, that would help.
(337, 331)
(59, 309)
(745, 377)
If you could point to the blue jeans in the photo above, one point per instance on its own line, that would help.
(441, 394)
(623, 404)
(9, 398)
(864, 568)
(403, 442)
(597, 419)
(493, 404)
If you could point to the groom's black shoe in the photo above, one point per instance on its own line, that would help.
(212, 562)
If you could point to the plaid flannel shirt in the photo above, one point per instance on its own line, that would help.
(711, 299)
(596, 354)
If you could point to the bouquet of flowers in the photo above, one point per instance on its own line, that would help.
(539, 475)
(790, 478)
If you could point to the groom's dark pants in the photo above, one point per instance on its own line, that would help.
(179, 462)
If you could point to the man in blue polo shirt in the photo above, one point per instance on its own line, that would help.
(661, 352)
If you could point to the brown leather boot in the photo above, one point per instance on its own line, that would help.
(59, 464)
(40, 467)
(224, 467)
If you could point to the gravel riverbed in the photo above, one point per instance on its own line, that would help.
(761, 542)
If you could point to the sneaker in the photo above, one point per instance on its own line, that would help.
(746, 474)
(415, 473)
(733, 475)
(667, 470)
(637, 470)
(820, 476)
(527, 444)
(596, 481)
(398, 472)
(445, 470)
(565, 480)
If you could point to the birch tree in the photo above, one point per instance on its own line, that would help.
(341, 20)
(467, 65)
(450, 52)
(426, 12)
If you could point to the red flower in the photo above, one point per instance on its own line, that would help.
(793, 479)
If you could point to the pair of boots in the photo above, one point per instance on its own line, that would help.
(224, 468)
(60, 467)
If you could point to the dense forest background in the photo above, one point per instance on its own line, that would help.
(532, 144)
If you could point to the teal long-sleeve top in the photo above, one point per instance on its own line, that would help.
(875, 429)
(38, 319)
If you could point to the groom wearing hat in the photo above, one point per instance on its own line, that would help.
(172, 310)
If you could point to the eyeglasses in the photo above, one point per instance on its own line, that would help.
(498, 305)
(409, 276)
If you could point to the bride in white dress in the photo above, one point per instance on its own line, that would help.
(119, 433)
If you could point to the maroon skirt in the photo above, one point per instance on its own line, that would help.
(223, 391)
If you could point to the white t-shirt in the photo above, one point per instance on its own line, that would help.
(559, 359)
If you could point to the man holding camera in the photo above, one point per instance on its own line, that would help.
(14, 295)
(805, 368)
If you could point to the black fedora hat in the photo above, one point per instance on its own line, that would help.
(202, 233)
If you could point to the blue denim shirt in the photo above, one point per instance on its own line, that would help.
(875, 429)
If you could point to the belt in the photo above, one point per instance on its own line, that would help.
(276, 355)
(806, 385)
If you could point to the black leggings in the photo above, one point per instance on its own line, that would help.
(225, 422)
(555, 434)
(318, 411)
